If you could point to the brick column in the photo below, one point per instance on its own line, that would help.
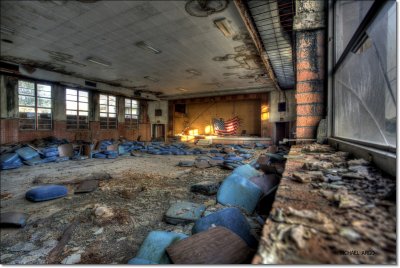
(310, 71)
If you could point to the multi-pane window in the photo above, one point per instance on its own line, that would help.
(77, 109)
(35, 105)
(108, 111)
(364, 98)
(131, 113)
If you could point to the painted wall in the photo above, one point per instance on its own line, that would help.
(153, 105)
(200, 115)
(275, 98)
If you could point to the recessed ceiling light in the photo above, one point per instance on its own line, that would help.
(147, 46)
(224, 27)
(151, 78)
(182, 89)
(6, 30)
(193, 71)
(99, 61)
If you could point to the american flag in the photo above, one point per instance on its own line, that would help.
(228, 127)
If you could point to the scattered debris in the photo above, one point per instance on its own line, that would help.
(103, 212)
(205, 187)
(358, 162)
(87, 186)
(318, 165)
(297, 235)
(55, 253)
(305, 177)
(72, 259)
(349, 234)
(312, 219)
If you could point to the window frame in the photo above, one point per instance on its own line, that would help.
(383, 156)
(334, 67)
(78, 124)
(132, 123)
(36, 105)
(108, 112)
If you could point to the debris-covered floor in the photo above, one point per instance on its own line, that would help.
(330, 209)
(107, 225)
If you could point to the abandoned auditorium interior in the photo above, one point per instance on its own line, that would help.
(198, 132)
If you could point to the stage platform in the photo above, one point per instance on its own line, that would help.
(227, 139)
(240, 140)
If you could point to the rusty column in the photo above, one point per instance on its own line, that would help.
(309, 24)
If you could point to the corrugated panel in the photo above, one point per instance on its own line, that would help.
(274, 22)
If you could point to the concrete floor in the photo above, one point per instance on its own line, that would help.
(139, 193)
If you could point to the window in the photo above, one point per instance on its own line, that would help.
(108, 112)
(281, 106)
(131, 113)
(77, 109)
(364, 82)
(35, 105)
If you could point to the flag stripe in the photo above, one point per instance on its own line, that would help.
(228, 127)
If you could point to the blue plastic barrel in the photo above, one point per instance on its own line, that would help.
(246, 171)
(27, 153)
(184, 212)
(230, 218)
(239, 191)
(48, 192)
(153, 247)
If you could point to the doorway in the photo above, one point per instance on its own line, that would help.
(158, 132)
(282, 130)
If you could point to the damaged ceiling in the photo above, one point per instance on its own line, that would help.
(273, 20)
(170, 47)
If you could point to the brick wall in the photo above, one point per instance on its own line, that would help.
(10, 133)
(310, 73)
(9, 123)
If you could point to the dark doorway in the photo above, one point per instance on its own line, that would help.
(158, 132)
(282, 130)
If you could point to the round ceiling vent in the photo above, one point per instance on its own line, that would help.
(204, 8)
(88, 1)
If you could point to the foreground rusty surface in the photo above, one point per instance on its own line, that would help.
(330, 210)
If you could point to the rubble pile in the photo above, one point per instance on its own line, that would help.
(51, 149)
(117, 213)
(330, 209)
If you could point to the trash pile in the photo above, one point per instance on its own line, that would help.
(227, 225)
(54, 150)
(218, 237)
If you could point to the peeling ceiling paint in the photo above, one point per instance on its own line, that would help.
(61, 36)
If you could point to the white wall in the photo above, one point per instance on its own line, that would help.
(290, 114)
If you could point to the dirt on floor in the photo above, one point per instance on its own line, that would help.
(106, 226)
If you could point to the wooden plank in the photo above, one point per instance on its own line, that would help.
(55, 253)
(217, 245)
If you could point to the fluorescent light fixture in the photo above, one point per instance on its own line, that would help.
(193, 71)
(6, 30)
(145, 45)
(181, 89)
(99, 61)
(223, 26)
(151, 78)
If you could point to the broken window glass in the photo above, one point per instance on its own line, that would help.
(34, 106)
(365, 85)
